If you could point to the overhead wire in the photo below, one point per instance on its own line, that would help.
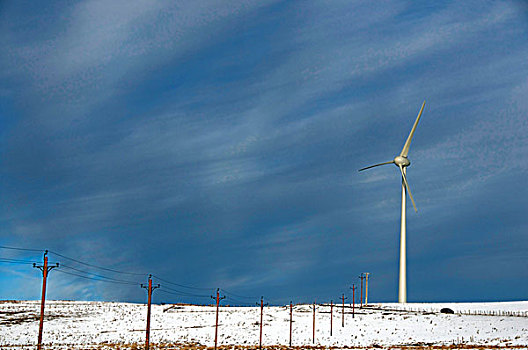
(161, 289)
(185, 293)
(164, 291)
(16, 261)
(181, 285)
(19, 261)
(101, 278)
(277, 303)
(102, 268)
(95, 279)
(238, 295)
(237, 300)
(96, 266)
(97, 275)
(21, 249)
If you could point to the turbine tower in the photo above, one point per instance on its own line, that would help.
(402, 162)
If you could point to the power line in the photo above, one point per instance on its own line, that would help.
(239, 296)
(161, 289)
(109, 279)
(101, 278)
(180, 285)
(237, 300)
(164, 289)
(274, 301)
(129, 273)
(97, 267)
(94, 279)
(22, 249)
(16, 261)
(97, 275)
(185, 293)
(74, 260)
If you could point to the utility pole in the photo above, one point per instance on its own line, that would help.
(291, 322)
(261, 319)
(149, 289)
(353, 300)
(313, 339)
(45, 270)
(361, 277)
(366, 287)
(331, 314)
(218, 298)
(343, 311)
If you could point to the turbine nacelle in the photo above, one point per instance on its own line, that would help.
(402, 161)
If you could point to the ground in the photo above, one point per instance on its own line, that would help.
(107, 325)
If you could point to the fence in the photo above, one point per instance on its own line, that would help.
(501, 313)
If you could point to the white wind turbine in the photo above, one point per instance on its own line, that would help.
(402, 162)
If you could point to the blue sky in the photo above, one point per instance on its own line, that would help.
(217, 143)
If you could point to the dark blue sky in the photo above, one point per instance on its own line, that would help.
(216, 144)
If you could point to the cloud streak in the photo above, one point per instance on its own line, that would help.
(218, 143)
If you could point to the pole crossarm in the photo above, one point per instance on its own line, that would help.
(150, 285)
(45, 268)
(218, 296)
(261, 303)
(153, 286)
(48, 268)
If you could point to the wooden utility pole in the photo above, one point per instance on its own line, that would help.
(149, 289)
(366, 287)
(331, 314)
(291, 322)
(353, 300)
(218, 298)
(343, 311)
(45, 270)
(313, 339)
(261, 319)
(361, 277)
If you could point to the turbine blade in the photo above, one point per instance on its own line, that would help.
(408, 188)
(372, 166)
(407, 145)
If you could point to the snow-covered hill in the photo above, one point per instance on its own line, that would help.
(75, 324)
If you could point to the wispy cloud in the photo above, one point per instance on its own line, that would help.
(233, 131)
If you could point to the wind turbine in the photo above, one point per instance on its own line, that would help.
(402, 162)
